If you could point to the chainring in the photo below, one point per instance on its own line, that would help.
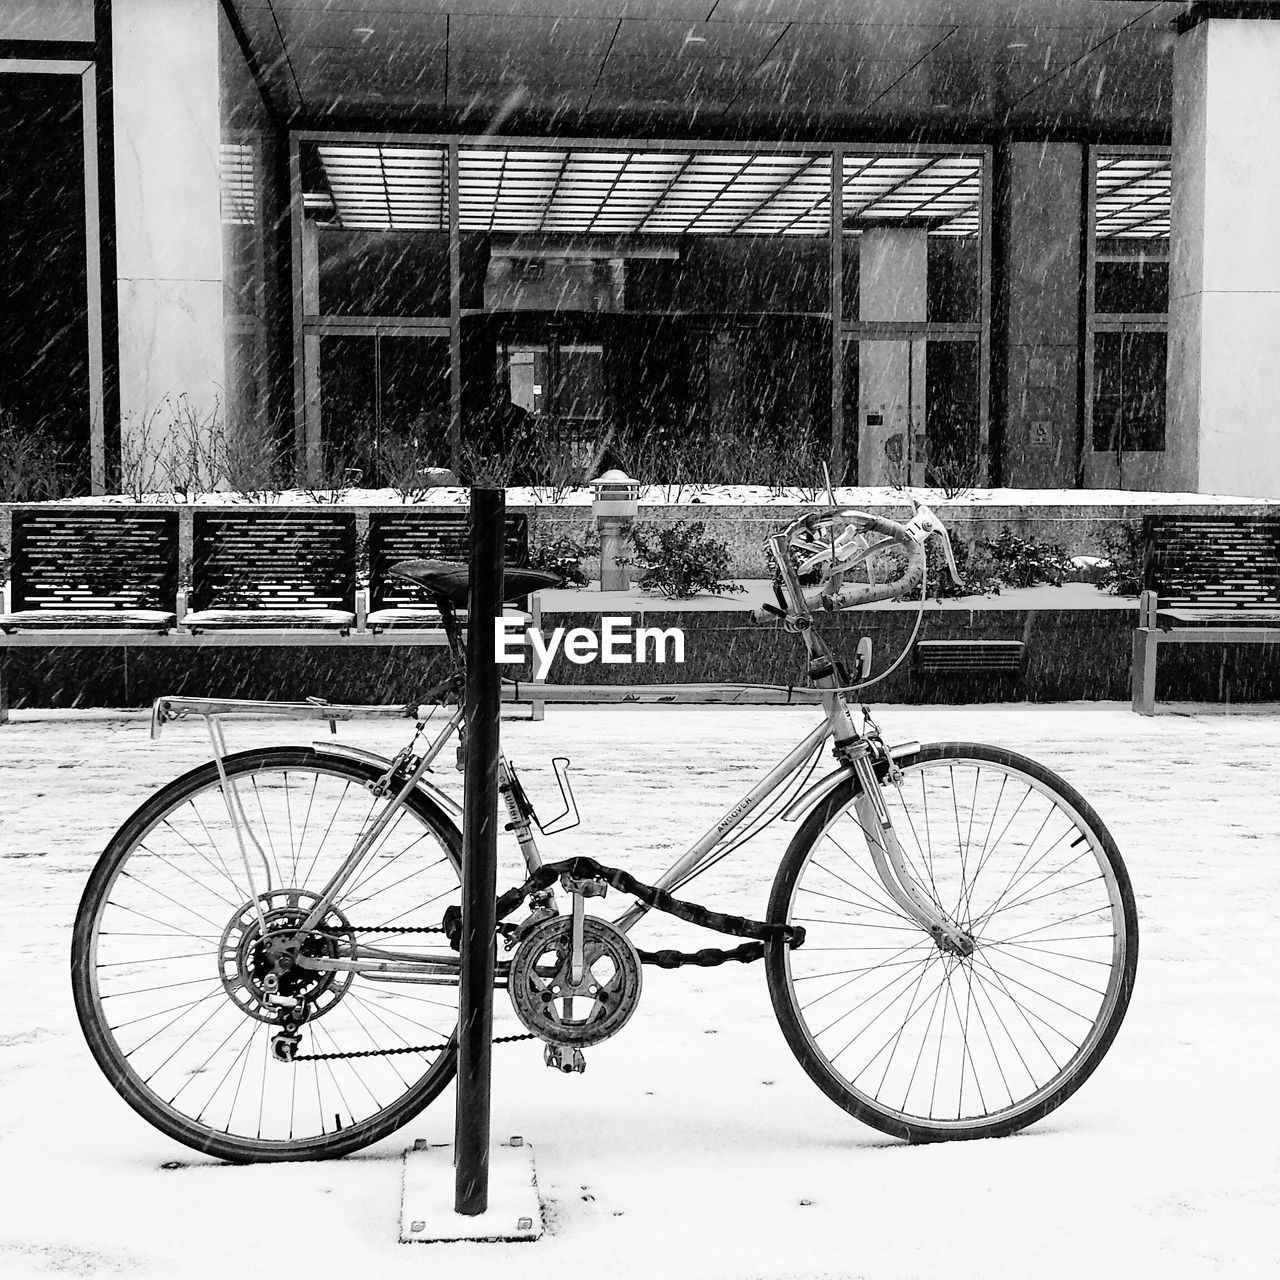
(560, 1011)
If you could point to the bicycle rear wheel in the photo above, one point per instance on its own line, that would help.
(902, 1031)
(170, 958)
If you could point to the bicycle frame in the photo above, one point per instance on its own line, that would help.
(858, 756)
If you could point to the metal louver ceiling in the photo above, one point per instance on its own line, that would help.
(642, 192)
(1132, 197)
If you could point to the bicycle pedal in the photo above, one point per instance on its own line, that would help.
(563, 1058)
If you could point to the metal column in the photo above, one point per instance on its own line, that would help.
(479, 855)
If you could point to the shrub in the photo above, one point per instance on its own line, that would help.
(564, 555)
(984, 566)
(32, 468)
(685, 463)
(1024, 562)
(1122, 545)
(680, 561)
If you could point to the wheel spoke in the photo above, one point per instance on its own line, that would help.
(994, 1021)
(162, 923)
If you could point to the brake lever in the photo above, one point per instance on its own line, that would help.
(922, 525)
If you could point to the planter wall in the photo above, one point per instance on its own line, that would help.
(1071, 654)
(1077, 527)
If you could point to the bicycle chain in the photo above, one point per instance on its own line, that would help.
(589, 869)
(385, 1053)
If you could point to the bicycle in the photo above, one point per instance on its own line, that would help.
(265, 960)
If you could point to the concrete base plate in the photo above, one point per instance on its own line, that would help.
(426, 1206)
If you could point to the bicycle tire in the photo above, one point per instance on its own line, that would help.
(1035, 1005)
(172, 881)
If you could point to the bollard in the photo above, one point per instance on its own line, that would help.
(615, 500)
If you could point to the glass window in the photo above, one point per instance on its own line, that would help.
(400, 274)
(45, 379)
(1131, 197)
(912, 237)
(251, 281)
(1129, 391)
(1131, 200)
(384, 406)
(1136, 285)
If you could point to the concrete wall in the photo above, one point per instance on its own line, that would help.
(1224, 306)
(1042, 235)
(46, 20)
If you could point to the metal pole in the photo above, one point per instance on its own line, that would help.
(479, 856)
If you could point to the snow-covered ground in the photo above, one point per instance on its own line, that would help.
(694, 1146)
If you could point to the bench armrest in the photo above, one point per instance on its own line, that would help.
(1147, 609)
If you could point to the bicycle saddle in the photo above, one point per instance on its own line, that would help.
(449, 580)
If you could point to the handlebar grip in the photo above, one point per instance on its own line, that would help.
(852, 594)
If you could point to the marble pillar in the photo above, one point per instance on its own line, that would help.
(1041, 284)
(1224, 304)
(169, 230)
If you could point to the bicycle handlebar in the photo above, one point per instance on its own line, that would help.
(812, 544)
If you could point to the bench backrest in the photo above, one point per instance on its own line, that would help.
(93, 558)
(1224, 562)
(273, 558)
(427, 535)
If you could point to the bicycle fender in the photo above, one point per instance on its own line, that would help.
(808, 798)
(442, 798)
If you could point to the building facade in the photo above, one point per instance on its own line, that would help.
(1024, 243)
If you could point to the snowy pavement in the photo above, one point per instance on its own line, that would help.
(694, 1145)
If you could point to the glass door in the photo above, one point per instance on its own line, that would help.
(916, 402)
(383, 407)
(556, 386)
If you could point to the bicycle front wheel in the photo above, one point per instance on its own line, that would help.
(926, 1038)
(177, 940)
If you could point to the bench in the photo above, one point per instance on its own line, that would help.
(1206, 580)
(120, 576)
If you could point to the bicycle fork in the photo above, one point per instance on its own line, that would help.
(891, 864)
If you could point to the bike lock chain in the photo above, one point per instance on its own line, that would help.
(584, 868)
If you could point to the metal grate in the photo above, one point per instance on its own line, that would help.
(944, 191)
(938, 657)
(94, 559)
(383, 188)
(275, 560)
